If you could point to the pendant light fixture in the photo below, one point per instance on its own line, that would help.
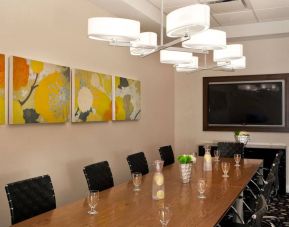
(188, 20)
(113, 29)
(175, 57)
(189, 25)
(231, 52)
(192, 66)
(233, 64)
(210, 39)
(145, 44)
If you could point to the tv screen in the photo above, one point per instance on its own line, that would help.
(253, 103)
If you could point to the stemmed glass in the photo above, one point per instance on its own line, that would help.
(225, 168)
(201, 185)
(237, 158)
(92, 200)
(136, 180)
(217, 155)
(165, 215)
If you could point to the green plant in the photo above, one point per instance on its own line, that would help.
(237, 133)
(241, 133)
(185, 159)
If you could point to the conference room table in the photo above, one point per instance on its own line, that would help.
(121, 206)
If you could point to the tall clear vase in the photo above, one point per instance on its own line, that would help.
(158, 184)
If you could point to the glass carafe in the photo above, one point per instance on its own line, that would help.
(207, 158)
(158, 187)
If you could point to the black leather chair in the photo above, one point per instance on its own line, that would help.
(256, 220)
(98, 176)
(167, 155)
(228, 149)
(30, 197)
(138, 163)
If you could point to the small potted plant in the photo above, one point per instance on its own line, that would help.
(242, 137)
(186, 162)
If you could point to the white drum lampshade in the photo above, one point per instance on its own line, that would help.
(193, 66)
(188, 20)
(145, 44)
(231, 52)
(175, 57)
(234, 64)
(113, 29)
(210, 39)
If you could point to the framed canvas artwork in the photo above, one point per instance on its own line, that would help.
(127, 99)
(39, 92)
(2, 89)
(91, 96)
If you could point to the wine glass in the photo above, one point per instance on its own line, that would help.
(201, 185)
(217, 155)
(237, 158)
(92, 200)
(165, 215)
(136, 179)
(225, 168)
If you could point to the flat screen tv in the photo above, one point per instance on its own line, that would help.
(245, 102)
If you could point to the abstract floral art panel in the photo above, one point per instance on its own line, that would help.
(91, 96)
(127, 99)
(39, 92)
(2, 89)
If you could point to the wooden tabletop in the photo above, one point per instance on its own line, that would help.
(120, 206)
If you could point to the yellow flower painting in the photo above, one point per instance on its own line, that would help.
(91, 96)
(2, 89)
(127, 101)
(39, 92)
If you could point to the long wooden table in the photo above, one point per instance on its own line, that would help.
(120, 206)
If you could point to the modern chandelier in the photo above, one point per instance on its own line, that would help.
(190, 26)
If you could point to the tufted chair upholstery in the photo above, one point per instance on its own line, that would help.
(268, 186)
(228, 149)
(30, 197)
(138, 163)
(98, 176)
(261, 209)
(167, 155)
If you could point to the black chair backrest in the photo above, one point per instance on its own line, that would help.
(261, 209)
(167, 155)
(98, 176)
(30, 197)
(268, 186)
(275, 171)
(228, 149)
(138, 163)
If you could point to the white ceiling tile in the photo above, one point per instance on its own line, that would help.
(171, 5)
(242, 17)
(266, 4)
(226, 7)
(273, 14)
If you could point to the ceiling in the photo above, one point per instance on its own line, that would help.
(236, 11)
(239, 18)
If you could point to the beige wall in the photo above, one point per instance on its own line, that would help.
(264, 56)
(55, 31)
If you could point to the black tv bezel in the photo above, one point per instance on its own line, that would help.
(227, 79)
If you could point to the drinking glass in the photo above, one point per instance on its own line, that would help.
(165, 215)
(136, 180)
(237, 158)
(217, 155)
(225, 168)
(201, 188)
(92, 200)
